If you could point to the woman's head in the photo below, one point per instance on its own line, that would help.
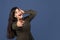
(16, 13)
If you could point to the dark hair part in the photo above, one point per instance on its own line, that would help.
(11, 33)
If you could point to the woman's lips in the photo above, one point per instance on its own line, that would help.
(20, 15)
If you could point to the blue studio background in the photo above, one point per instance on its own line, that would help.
(45, 26)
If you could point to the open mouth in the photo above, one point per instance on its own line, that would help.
(20, 14)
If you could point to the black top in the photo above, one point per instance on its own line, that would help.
(24, 33)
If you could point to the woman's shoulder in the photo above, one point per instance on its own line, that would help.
(13, 25)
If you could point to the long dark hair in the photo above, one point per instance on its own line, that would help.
(11, 33)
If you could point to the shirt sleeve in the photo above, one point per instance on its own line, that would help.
(31, 15)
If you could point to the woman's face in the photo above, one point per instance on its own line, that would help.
(18, 14)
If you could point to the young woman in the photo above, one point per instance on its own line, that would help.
(19, 26)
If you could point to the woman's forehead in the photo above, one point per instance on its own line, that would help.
(17, 10)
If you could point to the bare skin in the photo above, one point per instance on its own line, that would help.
(19, 15)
